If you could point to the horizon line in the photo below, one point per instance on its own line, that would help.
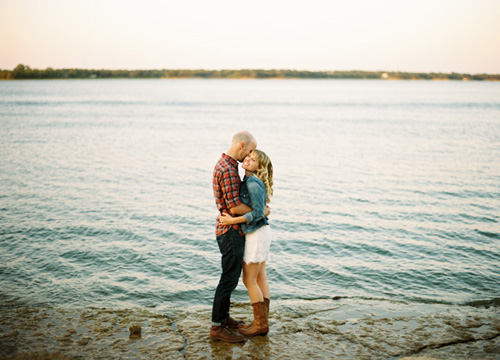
(252, 69)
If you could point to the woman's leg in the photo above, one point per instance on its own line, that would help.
(259, 325)
(262, 282)
(250, 273)
(266, 293)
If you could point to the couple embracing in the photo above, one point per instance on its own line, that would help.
(243, 235)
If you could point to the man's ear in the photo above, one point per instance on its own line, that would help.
(242, 146)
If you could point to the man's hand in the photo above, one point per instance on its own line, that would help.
(267, 211)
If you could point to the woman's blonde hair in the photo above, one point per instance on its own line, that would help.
(264, 171)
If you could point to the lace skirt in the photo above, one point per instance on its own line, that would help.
(257, 244)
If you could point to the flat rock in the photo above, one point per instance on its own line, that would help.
(319, 329)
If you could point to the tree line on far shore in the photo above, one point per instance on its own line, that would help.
(25, 72)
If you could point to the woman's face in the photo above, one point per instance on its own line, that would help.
(250, 164)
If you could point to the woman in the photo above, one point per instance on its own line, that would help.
(256, 191)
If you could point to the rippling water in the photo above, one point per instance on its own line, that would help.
(382, 189)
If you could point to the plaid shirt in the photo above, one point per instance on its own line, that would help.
(226, 184)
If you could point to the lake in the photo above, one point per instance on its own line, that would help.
(383, 189)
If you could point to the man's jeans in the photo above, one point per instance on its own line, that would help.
(232, 247)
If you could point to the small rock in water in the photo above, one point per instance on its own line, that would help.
(135, 332)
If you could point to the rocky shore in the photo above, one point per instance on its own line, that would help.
(337, 328)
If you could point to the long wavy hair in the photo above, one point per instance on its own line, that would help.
(264, 171)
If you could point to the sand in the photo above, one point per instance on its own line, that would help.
(299, 329)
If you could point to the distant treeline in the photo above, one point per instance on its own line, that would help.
(25, 72)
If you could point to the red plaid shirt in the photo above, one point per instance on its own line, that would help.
(226, 184)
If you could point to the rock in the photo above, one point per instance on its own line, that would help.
(299, 329)
(135, 332)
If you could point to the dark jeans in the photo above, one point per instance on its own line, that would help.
(232, 247)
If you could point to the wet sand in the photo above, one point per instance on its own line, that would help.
(319, 329)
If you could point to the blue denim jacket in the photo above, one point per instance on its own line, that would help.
(253, 193)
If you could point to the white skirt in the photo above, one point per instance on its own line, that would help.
(257, 244)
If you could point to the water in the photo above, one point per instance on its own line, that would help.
(383, 190)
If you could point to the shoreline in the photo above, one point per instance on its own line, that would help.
(249, 79)
(23, 72)
(299, 329)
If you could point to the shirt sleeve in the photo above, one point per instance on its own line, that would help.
(230, 186)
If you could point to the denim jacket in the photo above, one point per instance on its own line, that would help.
(253, 193)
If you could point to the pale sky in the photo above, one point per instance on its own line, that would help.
(393, 35)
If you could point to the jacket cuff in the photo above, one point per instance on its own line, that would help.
(248, 217)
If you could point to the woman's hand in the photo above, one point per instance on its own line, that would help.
(267, 211)
(226, 219)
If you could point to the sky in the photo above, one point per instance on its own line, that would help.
(374, 35)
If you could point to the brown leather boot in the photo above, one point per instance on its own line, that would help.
(222, 333)
(232, 323)
(265, 318)
(245, 326)
(259, 312)
(266, 303)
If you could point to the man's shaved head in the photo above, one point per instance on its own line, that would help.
(243, 143)
(243, 137)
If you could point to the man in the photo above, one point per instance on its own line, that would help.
(231, 240)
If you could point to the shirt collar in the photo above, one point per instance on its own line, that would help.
(230, 160)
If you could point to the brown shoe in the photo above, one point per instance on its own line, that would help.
(232, 323)
(266, 304)
(245, 326)
(259, 313)
(222, 333)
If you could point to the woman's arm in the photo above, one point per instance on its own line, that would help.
(227, 219)
(257, 192)
(240, 209)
